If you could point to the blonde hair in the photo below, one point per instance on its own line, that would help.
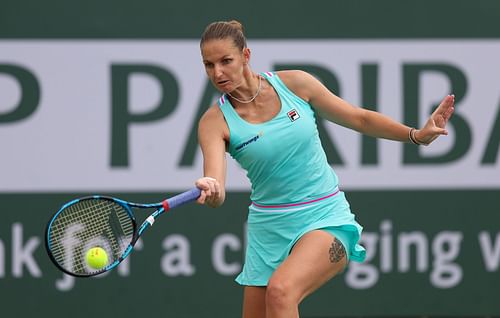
(225, 29)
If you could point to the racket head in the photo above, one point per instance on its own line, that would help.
(84, 223)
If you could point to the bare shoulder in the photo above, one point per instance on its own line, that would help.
(213, 123)
(212, 113)
(293, 76)
(299, 82)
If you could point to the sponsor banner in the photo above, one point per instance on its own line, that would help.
(425, 251)
(122, 115)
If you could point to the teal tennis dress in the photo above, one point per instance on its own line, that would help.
(294, 189)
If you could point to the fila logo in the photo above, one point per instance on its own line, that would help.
(293, 115)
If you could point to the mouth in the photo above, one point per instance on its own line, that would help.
(223, 83)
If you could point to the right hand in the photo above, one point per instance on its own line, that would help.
(210, 191)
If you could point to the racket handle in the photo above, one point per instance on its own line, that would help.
(182, 198)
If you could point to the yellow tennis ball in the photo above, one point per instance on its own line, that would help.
(96, 258)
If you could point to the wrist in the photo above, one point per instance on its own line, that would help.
(412, 136)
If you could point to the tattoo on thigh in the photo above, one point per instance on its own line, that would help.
(337, 251)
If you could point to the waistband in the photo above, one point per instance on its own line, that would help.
(296, 204)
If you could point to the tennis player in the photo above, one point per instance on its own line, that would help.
(301, 231)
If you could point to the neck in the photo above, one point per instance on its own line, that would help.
(249, 99)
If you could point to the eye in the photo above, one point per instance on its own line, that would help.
(227, 61)
(208, 64)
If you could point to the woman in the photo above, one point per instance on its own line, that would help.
(301, 232)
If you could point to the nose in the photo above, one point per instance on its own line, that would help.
(218, 70)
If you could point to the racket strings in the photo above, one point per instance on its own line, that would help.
(90, 223)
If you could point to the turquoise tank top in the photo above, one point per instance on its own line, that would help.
(283, 157)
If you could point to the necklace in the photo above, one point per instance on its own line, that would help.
(251, 98)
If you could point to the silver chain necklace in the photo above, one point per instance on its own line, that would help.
(253, 97)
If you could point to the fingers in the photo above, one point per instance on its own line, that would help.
(441, 115)
(442, 132)
(446, 107)
(436, 124)
(210, 190)
(448, 111)
(201, 199)
(436, 133)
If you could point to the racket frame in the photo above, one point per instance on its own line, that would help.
(160, 207)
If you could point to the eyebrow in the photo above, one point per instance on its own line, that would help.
(223, 57)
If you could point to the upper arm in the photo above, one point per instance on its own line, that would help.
(212, 136)
(327, 104)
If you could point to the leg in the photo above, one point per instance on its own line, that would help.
(316, 258)
(254, 302)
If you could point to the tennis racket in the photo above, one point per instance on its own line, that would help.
(100, 221)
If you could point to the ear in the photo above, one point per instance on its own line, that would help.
(246, 55)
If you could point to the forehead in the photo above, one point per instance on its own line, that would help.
(216, 48)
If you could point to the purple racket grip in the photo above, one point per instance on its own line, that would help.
(182, 198)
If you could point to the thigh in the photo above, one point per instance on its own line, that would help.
(316, 258)
(254, 302)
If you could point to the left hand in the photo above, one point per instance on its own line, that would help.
(435, 125)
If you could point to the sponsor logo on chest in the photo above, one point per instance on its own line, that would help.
(293, 115)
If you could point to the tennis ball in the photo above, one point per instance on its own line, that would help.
(96, 258)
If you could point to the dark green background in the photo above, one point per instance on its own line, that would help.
(147, 292)
(262, 19)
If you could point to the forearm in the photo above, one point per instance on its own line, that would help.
(381, 126)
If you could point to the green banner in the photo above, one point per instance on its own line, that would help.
(263, 19)
(428, 253)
